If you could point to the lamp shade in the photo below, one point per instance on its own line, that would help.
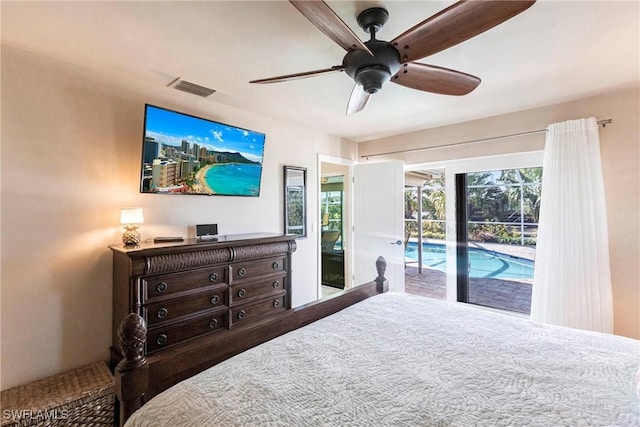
(131, 216)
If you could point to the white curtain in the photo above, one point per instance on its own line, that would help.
(572, 278)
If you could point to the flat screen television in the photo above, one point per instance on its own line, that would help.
(183, 154)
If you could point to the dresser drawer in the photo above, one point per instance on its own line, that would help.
(172, 309)
(254, 269)
(264, 307)
(248, 291)
(162, 337)
(169, 284)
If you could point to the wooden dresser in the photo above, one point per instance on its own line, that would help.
(194, 292)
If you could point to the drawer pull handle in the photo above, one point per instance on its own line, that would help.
(162, 313)
(241, 314)
(276, 303)
(215, 299)
(162, 339)
(162, 286)
(276, 284)
(241, 271)
(213, 323)
(275, 265)
(242, 293)
(213, 277)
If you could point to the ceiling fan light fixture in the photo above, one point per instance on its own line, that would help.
(372, 77)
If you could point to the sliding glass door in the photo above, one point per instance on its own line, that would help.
(496, 229)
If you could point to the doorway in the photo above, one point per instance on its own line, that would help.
(332, 232)
(372, 199)
(425, 233)
(334, 216)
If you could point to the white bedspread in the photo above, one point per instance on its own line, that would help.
(404, 360)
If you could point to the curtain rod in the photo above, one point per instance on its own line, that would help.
(602, 123)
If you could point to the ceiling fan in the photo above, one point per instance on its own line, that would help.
(372, 63)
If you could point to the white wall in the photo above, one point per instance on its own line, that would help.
(71, 152)
(620, 151)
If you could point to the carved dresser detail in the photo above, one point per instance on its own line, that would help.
(192, 293)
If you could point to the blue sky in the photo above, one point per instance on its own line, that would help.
(171, 128)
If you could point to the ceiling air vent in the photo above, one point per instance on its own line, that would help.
(191, 88)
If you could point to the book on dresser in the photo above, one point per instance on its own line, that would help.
(198, 297)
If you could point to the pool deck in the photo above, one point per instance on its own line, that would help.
(526, 252)
(497, 293)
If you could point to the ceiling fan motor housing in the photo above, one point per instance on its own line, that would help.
(371, 72)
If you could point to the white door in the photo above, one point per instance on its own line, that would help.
(378, 193)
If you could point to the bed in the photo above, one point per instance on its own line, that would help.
(396, 359)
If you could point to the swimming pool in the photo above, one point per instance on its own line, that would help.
(484, 263)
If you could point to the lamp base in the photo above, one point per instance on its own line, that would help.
(131, 236)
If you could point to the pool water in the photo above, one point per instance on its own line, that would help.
(484, 264)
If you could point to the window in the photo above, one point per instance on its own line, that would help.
(331, 204)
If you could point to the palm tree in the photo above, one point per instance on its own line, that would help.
(190, 180)
(433, 209)
(410, 208)
(524, 197)
(433, 200)
(532, 193)
(410, 202)
(486, 201)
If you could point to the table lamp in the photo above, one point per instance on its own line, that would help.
(131, 218)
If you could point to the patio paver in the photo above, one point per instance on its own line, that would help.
(497, 293)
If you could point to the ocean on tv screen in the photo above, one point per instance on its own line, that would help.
(234, 179)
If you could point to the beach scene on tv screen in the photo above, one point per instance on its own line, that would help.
(183, 154)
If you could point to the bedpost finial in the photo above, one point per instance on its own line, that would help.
(132, 373)
(382, 282)
(132, 335)
(381, 267)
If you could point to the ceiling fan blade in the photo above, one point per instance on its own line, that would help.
(358, 99)
(323, 17)
(297, 76)
(455, 24)
(430, 78)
